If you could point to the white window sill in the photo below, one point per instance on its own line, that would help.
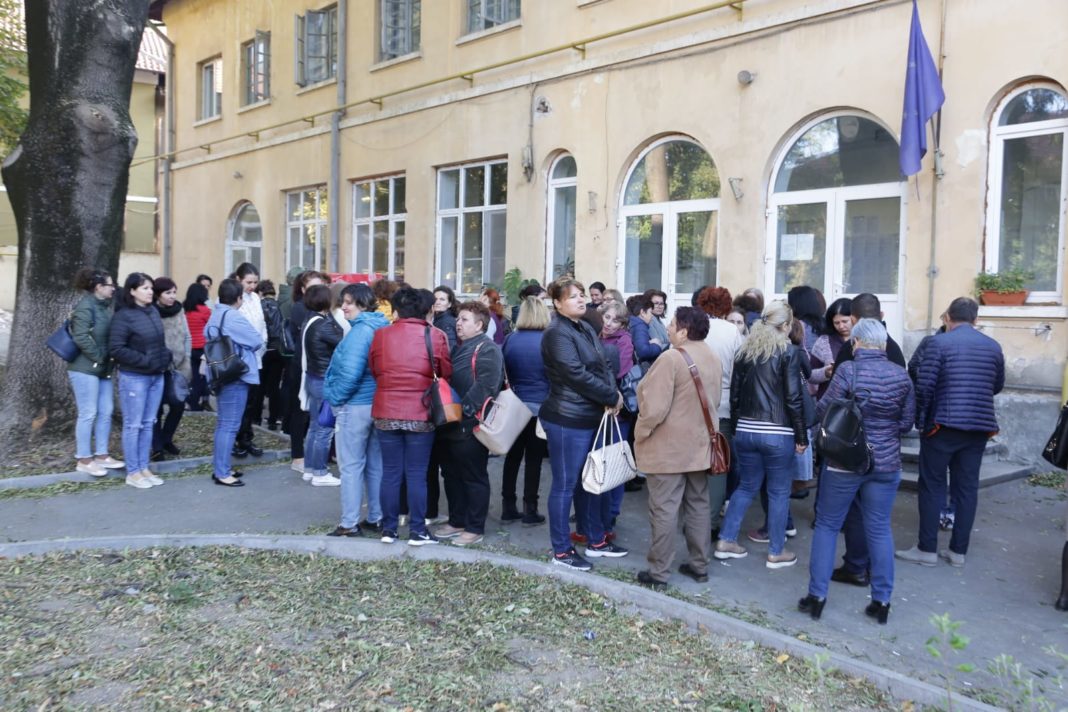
(209, 120)
(1045, 311)
(317, 85)
(481, 34)
(584, 3)
(386, 63)
(256, 105)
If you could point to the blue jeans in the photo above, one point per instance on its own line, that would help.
(405, 456)
(961, 452)
(359, 458)
(317, 444)
(760, 456)
(140, 394)
(230, 404)
(568, 448)
(96, 401)
(838, 490)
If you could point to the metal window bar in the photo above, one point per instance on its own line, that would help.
(262, 73)
(316, 46)
(396, 28)
(298, 50)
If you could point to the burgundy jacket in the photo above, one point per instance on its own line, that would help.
(401, 368)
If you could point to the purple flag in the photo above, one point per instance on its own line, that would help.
(923, 97)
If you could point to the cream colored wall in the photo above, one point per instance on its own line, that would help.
(604, 116)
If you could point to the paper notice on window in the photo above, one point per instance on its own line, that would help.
(796, 247)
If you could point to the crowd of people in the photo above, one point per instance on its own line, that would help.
(346, 371)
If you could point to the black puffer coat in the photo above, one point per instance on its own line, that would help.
(581, 383)
(137, 342)
(320, 340)
(770, 391)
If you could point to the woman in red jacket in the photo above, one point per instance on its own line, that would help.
(400, 361)
(197, 314)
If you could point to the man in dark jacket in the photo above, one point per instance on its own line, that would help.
(961, 372)
(855, 562)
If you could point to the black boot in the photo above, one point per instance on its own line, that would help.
(509, 513)
(879, 611)
(530, 514)
(812, 606)
(1062, 601)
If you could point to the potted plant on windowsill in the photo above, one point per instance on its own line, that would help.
(1002, 288)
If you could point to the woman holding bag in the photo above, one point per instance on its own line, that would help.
(320, 337)
(673, 447)
(180, 343)
(581, 390)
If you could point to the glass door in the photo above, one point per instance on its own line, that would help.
(673, 251)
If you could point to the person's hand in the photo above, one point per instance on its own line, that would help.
(829, 371)
(658, 342)
(618, 406)
(800, 448)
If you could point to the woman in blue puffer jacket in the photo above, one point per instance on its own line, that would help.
(887, 405)
(350, 389)
(526, 375)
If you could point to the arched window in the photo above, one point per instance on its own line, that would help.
(563, 189)
(669, 215)
(1027, 185)
(244, 241)
(835, 213)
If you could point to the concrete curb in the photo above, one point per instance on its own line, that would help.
(164, 467)
(645, 602)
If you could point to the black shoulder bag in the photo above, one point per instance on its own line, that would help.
(841, 440)
(224, 362)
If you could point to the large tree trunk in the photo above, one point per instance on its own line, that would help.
(67, 182)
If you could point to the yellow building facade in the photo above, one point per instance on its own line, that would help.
(667, 144)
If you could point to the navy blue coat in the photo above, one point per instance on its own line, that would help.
(958, 377)
(639, 335)
(887, 405)
(524, 366)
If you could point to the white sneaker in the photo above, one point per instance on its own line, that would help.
(152, 477)
(91, 468)
(297, 465)
(307, 476)
(110, 463)
(138, 481)
(326, 480)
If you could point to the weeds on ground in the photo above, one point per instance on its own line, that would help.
(240, 629)
(947, 641)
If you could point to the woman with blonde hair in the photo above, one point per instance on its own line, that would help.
(768, 424)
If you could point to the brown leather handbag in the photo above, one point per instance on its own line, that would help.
(721, 451)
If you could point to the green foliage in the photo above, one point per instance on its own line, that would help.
(1013, 280)
(12, 77)
(948, 639)
(512, 284)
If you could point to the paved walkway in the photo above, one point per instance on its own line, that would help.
(1004, 595)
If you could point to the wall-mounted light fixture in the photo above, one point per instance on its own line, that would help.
(591, 197)
(745, 77)
(736, 187)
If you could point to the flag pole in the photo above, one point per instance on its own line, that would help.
(938, 172)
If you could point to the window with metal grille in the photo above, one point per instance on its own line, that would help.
(484, 14)
(315, 46)
(256, 69)
(400, 28)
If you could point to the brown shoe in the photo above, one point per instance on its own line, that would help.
(467, 539)
(448, 531)
(781, 561)
(729, 550)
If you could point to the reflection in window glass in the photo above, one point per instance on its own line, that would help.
(1035, 105)
(695, 255)
(564, 230)
(1031, 207)
(306, 228)
(363, 248)
(498, 184)
(447, 245)
(565, 168)
(838, 152)
(475, 257)
(801, 246)
(474, 186)
(872, 235)
(472, 254)
(644, 252)
(676, 170)
(449, 189)
(380, 254)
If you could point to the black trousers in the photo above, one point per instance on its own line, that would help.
(274, 365)
(467, 484)
(164, 428)
(534, 450)
(298, 419)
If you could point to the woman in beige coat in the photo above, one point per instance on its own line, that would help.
(673, 448)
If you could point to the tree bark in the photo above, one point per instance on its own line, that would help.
(67, 181)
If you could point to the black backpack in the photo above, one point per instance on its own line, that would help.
(841, 440)
(224, 361)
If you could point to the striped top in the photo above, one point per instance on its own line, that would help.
(760, 426)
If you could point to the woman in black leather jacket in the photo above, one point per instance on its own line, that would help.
(581, 388)
(767, 419)
(320, 337)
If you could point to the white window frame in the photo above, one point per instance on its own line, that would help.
(835, 199)
(458, 212)
(670, 210)
(555, 184)
(486, 14)
(403, 37)
(209, 88)
(322, 227)
(232, 243)
(998, 136)
(301, 58)
(256, 69)
(393, 217)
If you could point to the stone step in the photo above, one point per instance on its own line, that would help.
(993, 472)
(910, 449)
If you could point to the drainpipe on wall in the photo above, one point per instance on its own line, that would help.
(166, 203)
(335, 134)
(932, 268)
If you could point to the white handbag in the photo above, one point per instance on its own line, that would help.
(501, 421)
(608, 465)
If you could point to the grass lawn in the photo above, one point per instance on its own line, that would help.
(226, 628)
(56, 454)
